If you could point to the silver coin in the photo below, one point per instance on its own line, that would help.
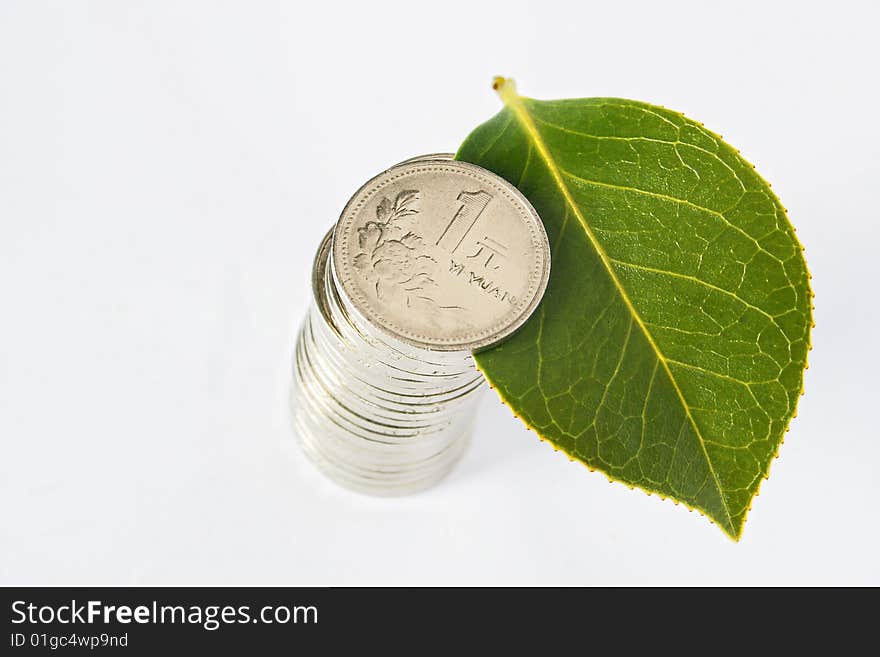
(374, 414)
(442, 255)
(428, 158)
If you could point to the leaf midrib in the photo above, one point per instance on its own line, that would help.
(514, 102)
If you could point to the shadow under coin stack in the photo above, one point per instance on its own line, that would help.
(429, 261)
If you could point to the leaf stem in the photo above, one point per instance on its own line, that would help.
(506, 89)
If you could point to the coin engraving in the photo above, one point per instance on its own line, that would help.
(393, 255)
(441, 255)
(472, 206)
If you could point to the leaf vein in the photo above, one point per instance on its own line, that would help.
(673, 199)
(700, 281)
(674, 144)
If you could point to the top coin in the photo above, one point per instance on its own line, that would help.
(442, 255)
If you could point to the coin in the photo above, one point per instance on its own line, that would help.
(378, 416)
(441, 255)
(428, 158)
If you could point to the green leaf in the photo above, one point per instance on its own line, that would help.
(670, 346)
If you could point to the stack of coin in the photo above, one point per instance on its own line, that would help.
(429, 261)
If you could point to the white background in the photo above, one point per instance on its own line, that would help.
(166, 172)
